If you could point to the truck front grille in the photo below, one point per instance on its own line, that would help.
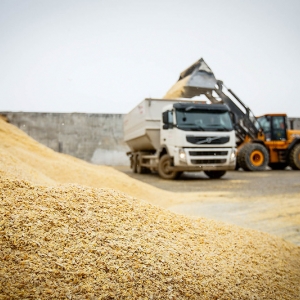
(208, 153)
(212, 140)
(207, 161)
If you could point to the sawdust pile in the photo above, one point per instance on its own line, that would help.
(89, 241)
(23, 158)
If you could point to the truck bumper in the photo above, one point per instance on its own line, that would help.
(198, 159)
(201, 168)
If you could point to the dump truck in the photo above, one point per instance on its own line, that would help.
(261, 141)
(171, 136)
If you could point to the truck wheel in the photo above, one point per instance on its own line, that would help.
(295, 158)
(277, 166)
(179, 174)
(215, 174)
(164, 164)
(134, 163)
(253, 157)
(139, 168)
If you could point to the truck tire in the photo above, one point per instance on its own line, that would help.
(253, 157)
(134, 163)
(215, 174)
(139, 168)
(163, 168)
(294, 157)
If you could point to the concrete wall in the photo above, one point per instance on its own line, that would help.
(294, 123)
(96, 138)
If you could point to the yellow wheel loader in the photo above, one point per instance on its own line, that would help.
(261, 141)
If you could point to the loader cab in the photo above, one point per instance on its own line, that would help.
(274, 127)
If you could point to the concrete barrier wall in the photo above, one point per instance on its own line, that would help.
(294, 123)
(96, 138)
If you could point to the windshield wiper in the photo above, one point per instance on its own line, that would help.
(221, 126)
(200, 127)
(191, 127)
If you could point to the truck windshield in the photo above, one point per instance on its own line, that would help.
(197, 120)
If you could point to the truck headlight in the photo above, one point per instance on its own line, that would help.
(182, 155)
(233, 155)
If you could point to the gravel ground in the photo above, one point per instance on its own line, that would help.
(267, 201)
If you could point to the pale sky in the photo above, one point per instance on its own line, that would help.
(107, 56)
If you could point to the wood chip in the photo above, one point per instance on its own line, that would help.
(90, 235)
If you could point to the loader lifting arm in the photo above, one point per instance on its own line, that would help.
(244, 122)
(199, 79)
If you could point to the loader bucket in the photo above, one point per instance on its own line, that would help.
(194, 81)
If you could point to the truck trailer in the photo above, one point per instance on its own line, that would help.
(171, 136)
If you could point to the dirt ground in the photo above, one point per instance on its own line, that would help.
(267, 201)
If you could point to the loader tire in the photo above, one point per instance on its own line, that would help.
(277, 166)
(253, 157)
(294, 157)
(237, 166)
(164, 164)
(215, 174)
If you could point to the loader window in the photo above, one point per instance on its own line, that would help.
(266, 126)
(278, 128)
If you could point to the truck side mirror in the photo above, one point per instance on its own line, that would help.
(165, 118)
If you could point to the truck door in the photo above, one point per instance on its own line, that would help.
(167, 136)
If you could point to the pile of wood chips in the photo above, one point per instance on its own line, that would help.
(75, 236)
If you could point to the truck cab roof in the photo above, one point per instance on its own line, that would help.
(198, 106)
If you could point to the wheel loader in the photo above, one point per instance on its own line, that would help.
(261, 141)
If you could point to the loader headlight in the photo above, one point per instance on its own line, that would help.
(182, 155)
(233, 155)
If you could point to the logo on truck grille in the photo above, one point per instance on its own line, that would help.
(207, 139)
